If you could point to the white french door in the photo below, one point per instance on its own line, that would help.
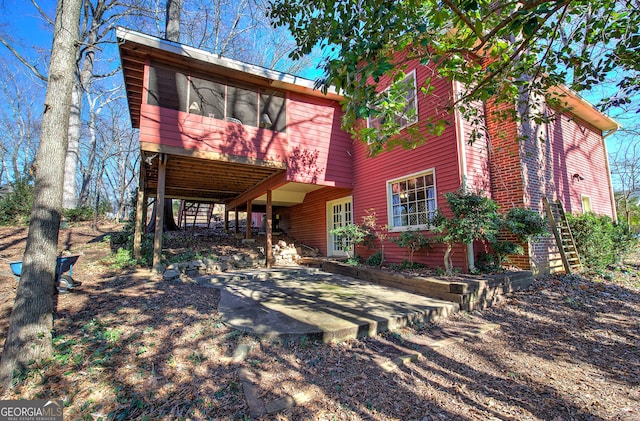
(339, 214)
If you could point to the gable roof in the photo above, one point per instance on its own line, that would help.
(135, 47)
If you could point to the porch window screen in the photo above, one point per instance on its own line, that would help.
(206, 97)
(412, 201)
(242, 105)
(272, 110)
(167, 88)
(217, 98)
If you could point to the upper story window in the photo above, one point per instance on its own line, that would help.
(407, 89)
(217, 98)
(167, 89)
(411, 201)
(586, 204)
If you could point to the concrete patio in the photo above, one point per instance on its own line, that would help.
(290, 303)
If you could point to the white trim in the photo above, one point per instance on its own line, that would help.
(582, 198)
(415, 96)
(329, 223)
(461, 137)
(430, 171)
(462, 166)
(612, 197)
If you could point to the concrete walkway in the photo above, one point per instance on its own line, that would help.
(290, 303)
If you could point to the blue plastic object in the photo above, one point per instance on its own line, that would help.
(63, 264)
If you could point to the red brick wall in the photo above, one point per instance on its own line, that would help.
(507, 184)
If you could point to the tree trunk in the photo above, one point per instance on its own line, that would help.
(29, 335)
(169, 221)
(172, 22)
(70, 198)
(448, 262)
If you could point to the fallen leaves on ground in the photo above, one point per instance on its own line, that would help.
(129, 347)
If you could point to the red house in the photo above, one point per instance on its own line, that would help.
(218, 130)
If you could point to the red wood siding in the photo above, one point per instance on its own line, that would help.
(578, 148)
(476, 157)
(190, 131)
(438, 153)
(307, 222)
(319, 150)
(314, 147)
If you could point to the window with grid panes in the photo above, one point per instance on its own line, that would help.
(412, 201)
(410, 114)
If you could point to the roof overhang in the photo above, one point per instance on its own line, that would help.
(136, 48)
(582, 108)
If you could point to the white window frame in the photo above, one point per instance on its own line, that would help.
(584, 197)
(403, 117)
(329, 216)
(389, 187)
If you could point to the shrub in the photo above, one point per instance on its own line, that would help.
(82, 213)
(375, 259)
(599, 241)
(15, 207)
(351, 235)
(381, 232)
(474, 217)
(413, 241)
(502, 249)
(123, 259)
(525, 224)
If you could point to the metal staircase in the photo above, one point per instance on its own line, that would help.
(564, 238)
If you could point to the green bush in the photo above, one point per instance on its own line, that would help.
(474, 217)
(502, 249)
(15, 207)
(351, 235)
(525, 224)
(82, 213)
(375, 259)
(413, 241)
(600, 242)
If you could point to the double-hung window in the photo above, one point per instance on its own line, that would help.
(411, 201)
(406, 88)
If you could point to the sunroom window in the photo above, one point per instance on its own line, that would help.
(167, 88)
(412, 201)
(242, 105)
(206, 97)
(218, 98)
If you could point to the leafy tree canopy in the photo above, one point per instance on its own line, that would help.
(511, 51)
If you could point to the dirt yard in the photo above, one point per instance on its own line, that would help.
(129, 347)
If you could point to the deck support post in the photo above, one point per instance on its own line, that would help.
(268, 228)
(226, 219)
(236, 228)
(157, 238)
(249, 215)
(141, 212)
